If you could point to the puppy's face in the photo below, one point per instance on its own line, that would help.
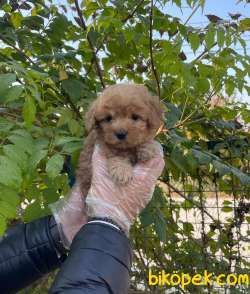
(125, 116)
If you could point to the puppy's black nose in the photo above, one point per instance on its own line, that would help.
(121, 135)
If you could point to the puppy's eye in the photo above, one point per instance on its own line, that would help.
(108, 118)
(135, 117)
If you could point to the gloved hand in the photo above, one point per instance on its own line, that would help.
(122, 203)
(70, 215)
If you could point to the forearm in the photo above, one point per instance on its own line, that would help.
(98, 263)
(27, 252)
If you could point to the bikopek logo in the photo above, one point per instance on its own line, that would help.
(206, 279)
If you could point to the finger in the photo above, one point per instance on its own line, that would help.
(148, 176)
(98, 156)
(76, 193)
(159, 168)
(99, 164)
(153, 166)
(158, 148)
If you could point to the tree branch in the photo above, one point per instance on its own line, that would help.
(124, 20)
(203, 53)
(18, 50)
(76, 110)
(192, 13)
(151, 49)
(68, 100)
(95, 58)
(188, 199)
(130, 15)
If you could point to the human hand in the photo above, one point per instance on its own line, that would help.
(122, 203)
(70, 215)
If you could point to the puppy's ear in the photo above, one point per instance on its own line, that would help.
(90, 121)
(156, 114)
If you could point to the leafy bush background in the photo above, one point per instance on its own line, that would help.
(55, 59)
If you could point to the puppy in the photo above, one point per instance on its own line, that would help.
(123, 121)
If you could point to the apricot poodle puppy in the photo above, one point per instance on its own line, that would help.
(123, 120)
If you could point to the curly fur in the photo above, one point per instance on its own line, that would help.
(126, 109)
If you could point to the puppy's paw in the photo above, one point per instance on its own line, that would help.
(146, 151)
(121, 172)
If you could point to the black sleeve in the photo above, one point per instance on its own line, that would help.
(98, 263)
(27, 252)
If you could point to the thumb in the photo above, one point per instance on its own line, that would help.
(153, 167)
(99, 160)
(98, 153)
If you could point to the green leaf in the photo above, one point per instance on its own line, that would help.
(209, 37)
(37, 75)
(16, 19)
(173, 115)
(13, 93)
(177, 2)
(245, 24)
(160, 227)
(187, 228)
(65, 116)
(36, 157)
(10, 173)
(9, 195)
(228, 38)
(203, 85)
(7, 8)
(54, 165)
(70, 144)
(93, 36)
(32, 192)
(247, 156)
(225, 169)
(179, 160)
(244, 178)
(50, 194)
(65, 140)
(6, 81)
(187, 204)
(16, 154)
(202, 157)
(58, 27)
(221, 167)
(29, 111)
(194, 40)
(34, 211)
(3, 225)
(33, 22)
(5, 125)
(229, 87)
(74, 127)
(220, 37)
(72, 147)
(73, 88)
(7, 210)
(147, 218)
(22, 140)
(227, 209)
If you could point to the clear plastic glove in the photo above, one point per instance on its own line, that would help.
(70, 215)
(122, 203)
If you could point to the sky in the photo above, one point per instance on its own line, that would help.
(220, 8)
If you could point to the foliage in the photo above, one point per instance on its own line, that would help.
(54, 59)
